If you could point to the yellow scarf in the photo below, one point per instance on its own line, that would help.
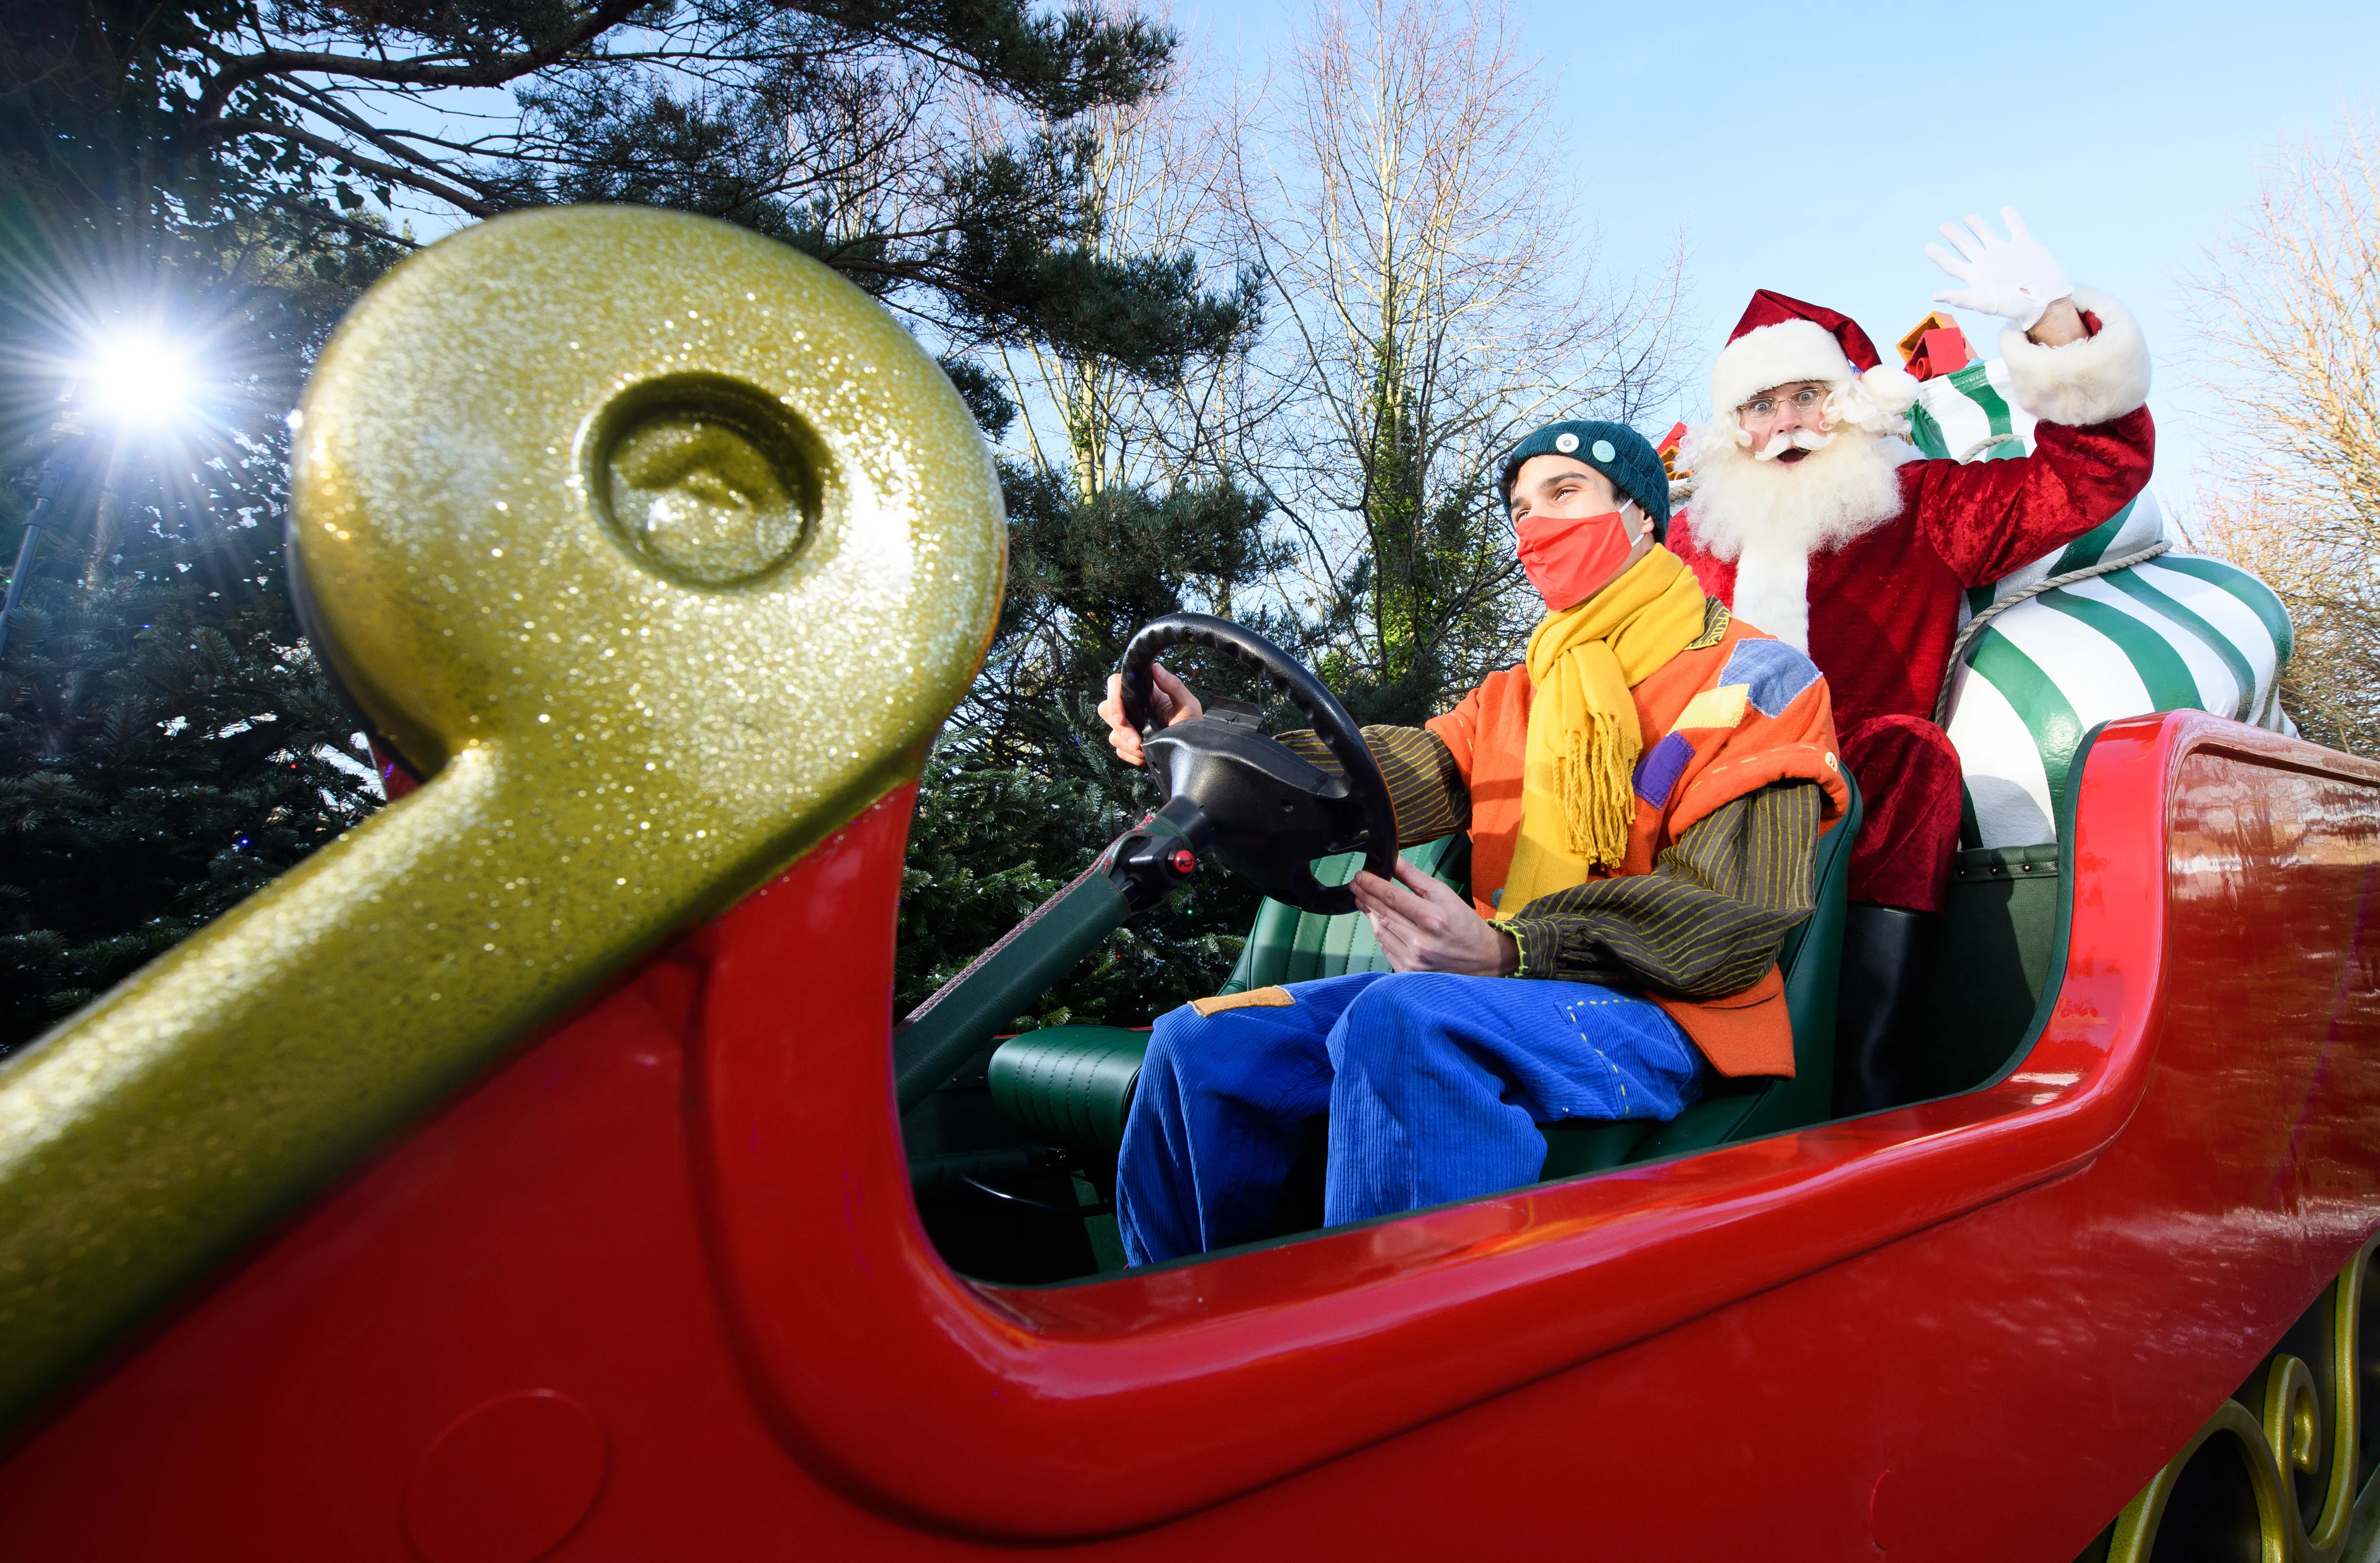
(1577, 801)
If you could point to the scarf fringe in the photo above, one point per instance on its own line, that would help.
(1592, 778)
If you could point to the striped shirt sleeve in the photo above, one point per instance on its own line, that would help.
(1425, 784)
(1706, 922)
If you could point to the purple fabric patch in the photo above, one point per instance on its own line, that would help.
(1657, 772)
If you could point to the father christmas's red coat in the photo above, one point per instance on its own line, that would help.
(1884, 607)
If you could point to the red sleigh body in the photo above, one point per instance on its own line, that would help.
(655, 1288)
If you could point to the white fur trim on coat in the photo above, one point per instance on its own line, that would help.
(1772, 587)
(2081, 382)
(1774, 355)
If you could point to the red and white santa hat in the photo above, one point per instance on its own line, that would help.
(1781, 340)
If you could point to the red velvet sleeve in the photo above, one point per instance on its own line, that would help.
(1988, 518)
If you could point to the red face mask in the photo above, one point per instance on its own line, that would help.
(1569, 558)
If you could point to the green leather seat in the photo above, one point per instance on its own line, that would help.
(1072, 1085)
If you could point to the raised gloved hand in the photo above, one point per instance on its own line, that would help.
(2014, 278)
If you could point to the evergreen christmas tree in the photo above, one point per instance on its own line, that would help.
(167, 743)
(1023, 791)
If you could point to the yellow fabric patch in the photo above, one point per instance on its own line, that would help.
(1722, 707)
(1257, 998)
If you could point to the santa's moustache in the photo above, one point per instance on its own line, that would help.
(1785, 440)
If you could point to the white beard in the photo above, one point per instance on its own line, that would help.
(1770, 517)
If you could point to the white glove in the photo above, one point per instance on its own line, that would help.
(2014, 278)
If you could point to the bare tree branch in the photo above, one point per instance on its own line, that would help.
(429, 70)
(409, 177)
(2288, 310)
(1435, 297)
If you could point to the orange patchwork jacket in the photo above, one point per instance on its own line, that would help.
(1734, 712)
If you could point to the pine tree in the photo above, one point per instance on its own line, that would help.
(167, 742)
(1023, 791)
(828, 124)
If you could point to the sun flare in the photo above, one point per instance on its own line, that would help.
(140, 380)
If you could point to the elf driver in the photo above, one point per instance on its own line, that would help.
(1644, 794)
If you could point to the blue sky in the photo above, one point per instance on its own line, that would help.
(1813, 148)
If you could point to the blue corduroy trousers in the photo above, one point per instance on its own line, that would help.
(1435, 1085)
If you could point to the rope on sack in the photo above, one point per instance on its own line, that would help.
(1975, 627)
(1986, 442)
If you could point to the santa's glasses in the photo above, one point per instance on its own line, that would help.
(1760, 410)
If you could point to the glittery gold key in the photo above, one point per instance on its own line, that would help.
(662, 551)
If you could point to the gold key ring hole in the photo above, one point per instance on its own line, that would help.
(705, 480)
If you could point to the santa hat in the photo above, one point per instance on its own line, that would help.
(1781, 340)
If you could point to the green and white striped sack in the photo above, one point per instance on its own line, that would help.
(2177, 632)
(1970, 415)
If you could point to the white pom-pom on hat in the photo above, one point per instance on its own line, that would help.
(1892, 387)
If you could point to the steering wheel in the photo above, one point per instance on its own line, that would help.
(1304, 813)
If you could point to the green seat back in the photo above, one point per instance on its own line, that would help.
(1289, 946)
(1994, 948)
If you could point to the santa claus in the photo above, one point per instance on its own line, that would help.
(1815, 519)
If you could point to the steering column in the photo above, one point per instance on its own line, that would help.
(1231, 791)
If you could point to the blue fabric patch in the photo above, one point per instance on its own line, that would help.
(1657, 772)
(1775, 671)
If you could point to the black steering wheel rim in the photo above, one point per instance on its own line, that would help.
(1337, 730)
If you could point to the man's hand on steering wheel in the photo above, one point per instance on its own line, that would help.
(1267, 813)
(1170, 696)
(1433, 928)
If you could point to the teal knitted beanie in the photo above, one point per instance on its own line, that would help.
(1615, 450)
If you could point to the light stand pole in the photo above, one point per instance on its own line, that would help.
(69, 442)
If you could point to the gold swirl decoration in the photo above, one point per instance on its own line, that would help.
(664, 551)
(2278, 1470)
